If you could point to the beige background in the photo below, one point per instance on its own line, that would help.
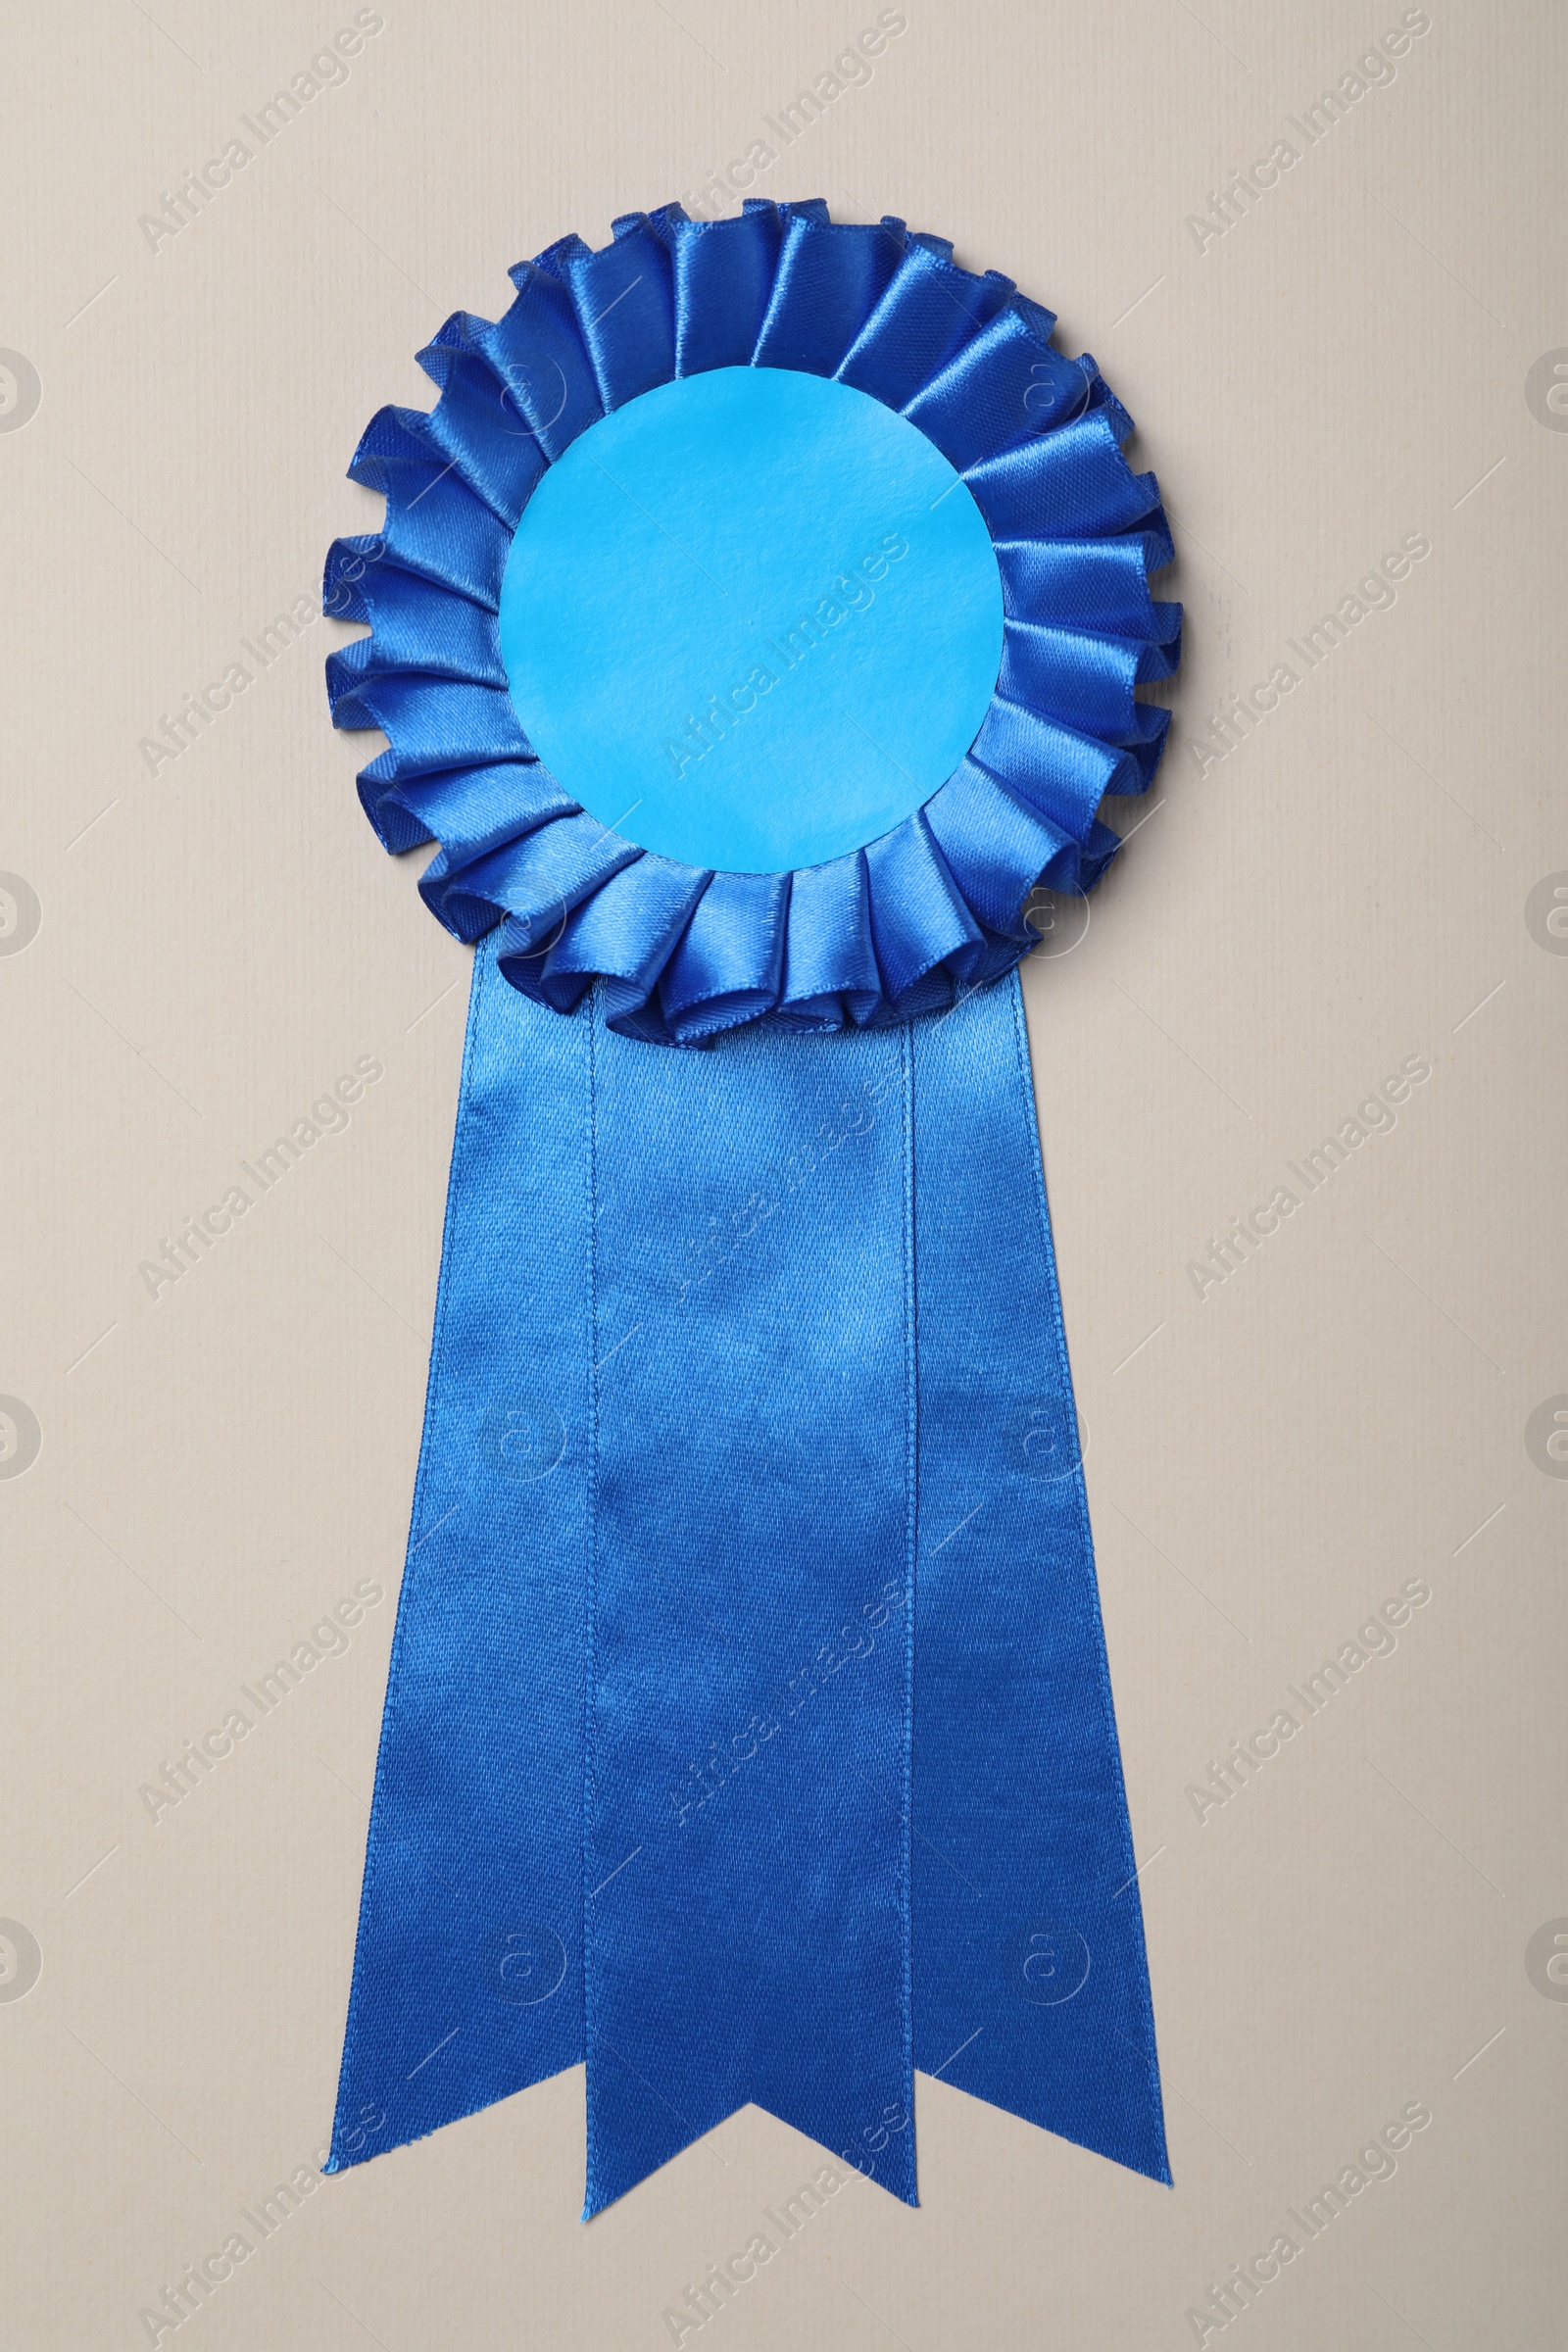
(217, 941)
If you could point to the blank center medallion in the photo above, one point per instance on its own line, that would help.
(751, 621)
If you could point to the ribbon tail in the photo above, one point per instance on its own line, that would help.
(1031, 1984)
(752, 1495)
(677, 1429)
(467, 1971)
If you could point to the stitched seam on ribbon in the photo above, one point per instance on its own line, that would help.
(1111, 1744)
(590, 2166)
(911, 1511)
(400, 1633)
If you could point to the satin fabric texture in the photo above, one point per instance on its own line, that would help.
(934, 907)
(749, 1731)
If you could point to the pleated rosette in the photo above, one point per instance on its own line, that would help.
(937, 906)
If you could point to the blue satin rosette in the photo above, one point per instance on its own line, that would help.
(755, 628)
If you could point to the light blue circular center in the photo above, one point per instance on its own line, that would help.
(751, 620)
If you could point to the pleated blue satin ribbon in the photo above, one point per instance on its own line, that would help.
(749, 1731)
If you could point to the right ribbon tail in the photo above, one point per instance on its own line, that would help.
(1031, 1981)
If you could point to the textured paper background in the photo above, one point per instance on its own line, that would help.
(1358, 881)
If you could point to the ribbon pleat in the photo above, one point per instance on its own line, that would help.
(499, 466)
(625, 312)
(622, 932)
(730, 955)
(433, 527)
(831, 968)
(724, 273)
(928, 311)
(830, 276)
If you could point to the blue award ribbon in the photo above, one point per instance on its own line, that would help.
(749, 1731)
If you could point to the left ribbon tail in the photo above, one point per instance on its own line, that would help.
(468, 1969)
